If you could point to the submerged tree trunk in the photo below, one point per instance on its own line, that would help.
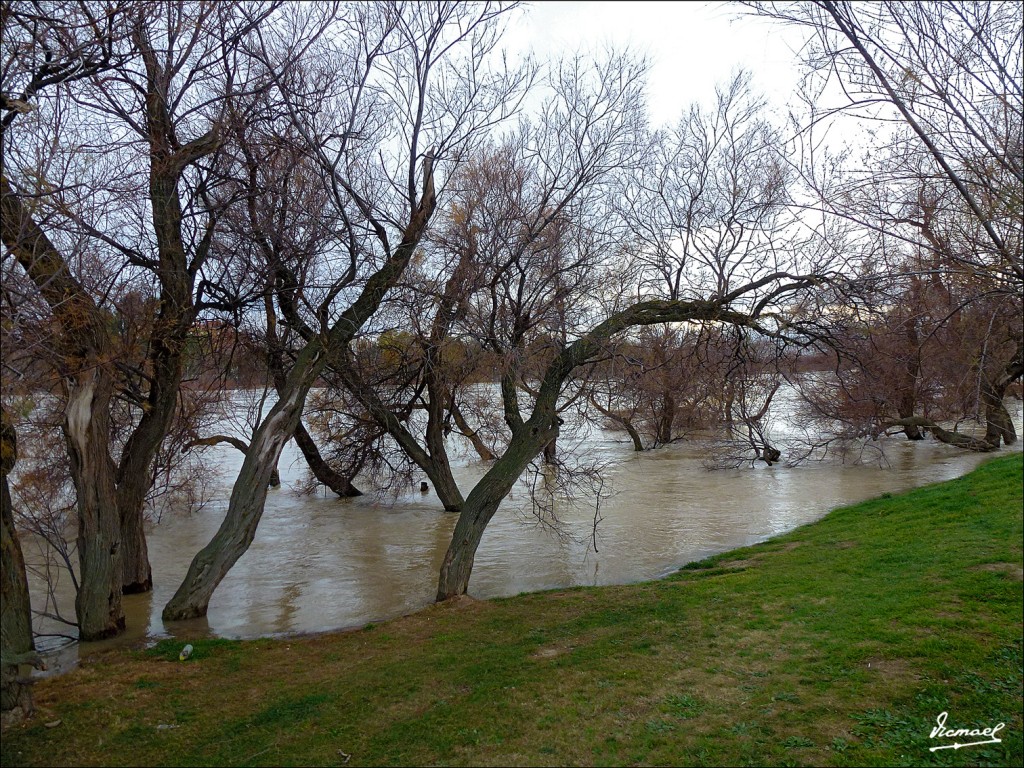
(627, 424)
(529, 437)
(910, 373)
(666, 421)
(322, 471)
(998, 424)
(16, 645)
(950, 437)
(134, 473)
(249, 494)
(168, 159)
(906, 411)
(434, 462)
(483, 501)
(136, 572)
(551, 452)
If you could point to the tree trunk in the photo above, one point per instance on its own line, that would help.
(906, 411)
(134, 473)
(529, 437)
(249, 494)
(998, 424)
(638, 444)
(86, 430)
(667, 419)
(434, 462)
(946, 436)
(551, 452)
(911, 370)
(483, 501)
(83, 341)
(15, 610)
(322, 471)
(167, 161)
(137, 575)
(444, 483)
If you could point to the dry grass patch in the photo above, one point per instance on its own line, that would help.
(1011, 570)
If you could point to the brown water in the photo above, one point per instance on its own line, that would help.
(321, 563)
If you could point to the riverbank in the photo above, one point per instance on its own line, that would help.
(840, 643)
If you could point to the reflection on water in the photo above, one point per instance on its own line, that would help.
(321, 563)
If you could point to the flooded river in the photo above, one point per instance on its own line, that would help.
(321, 563)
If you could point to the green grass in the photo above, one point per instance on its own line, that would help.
(837, 644)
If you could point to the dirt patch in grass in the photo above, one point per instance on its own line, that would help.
(1012, 570)
(891, 668)
(738, 564)
(551, 651)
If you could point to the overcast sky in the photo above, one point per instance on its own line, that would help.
(693, 45)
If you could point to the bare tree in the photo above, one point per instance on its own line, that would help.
(127, 200)
(380, 97)
(937, 88)
(727, 269)
(502, 270)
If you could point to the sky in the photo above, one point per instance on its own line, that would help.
(694, 45)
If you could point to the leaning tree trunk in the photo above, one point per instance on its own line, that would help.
(322, 471)
(530, 437)
(433, 460)
(623, 421)
(440, 470)
(950, 437)
(485, 453)
(483, 501)
(249, 494)
(16, 645)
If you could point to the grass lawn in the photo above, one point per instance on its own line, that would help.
(837, 644)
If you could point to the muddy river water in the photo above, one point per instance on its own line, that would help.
(321, 563)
